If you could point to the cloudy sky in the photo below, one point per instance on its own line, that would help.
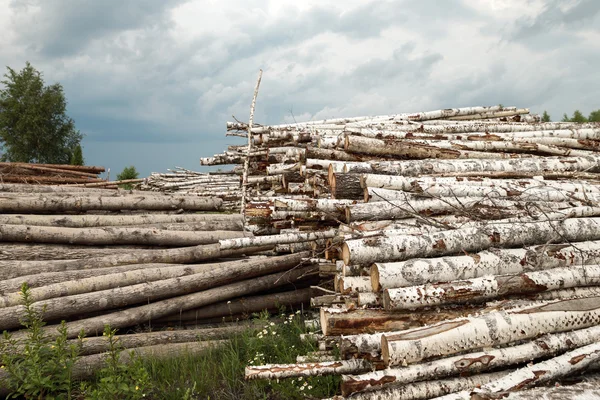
(152, 82)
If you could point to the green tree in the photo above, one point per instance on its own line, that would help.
(77, 156)
(594, 116)
(578, 117)
(34, 126)
(546, 117)
(128, 173)
(565, 118)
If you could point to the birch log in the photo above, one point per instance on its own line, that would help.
(112, 236)
(538, 373)
(149, 312)
(580, 391)
(163, 273)
(335, 321)
(77, 304)
(490, 287)
(183, 255)
(346, 186)
(241, 243)
(280, 371)
(489, 262)
(491, 329)
(245, 305)
(32, 251)
(471, 363)
(45, 204)
(430, 389)
(226, 222)
(391, 248)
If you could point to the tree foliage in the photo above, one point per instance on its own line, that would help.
(77, 156)
(594, 116)
(34, 126)
(546, 117)
(128, 173)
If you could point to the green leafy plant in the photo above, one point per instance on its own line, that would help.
(118, 379)
(128, 173)
(38, 366)
(34, 126)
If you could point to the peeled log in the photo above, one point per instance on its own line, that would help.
(280, 371)
(411, 149)
(245, 305)
(49, 203)
(490, 287)
(241, 243)
(112, 236)
(471, 363)
(99, 344)
(581, 391)
(159, 273)
(226, 222)
(64, 307)
(491, 329)
(489, 262)
(335, 321)
(183, 255)
(402, 247)
(32, 251)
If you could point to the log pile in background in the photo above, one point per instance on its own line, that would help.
(94, 257)
(466, 245)
(49, 174)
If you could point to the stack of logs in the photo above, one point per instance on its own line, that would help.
(49, 174)
(464, 246)
(93, 257)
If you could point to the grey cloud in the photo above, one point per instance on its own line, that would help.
(62, 27)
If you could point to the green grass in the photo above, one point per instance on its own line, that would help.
(219, 372)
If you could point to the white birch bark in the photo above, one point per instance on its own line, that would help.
(349, 285)
(275, 239)
(538, 373)
(486, 360)
(571, 293)
(280, 371)
(451, 112)
(490, 114)
(490, 287)
(518, 165)
(491, 329)
(429, 389)
(580, 391)
(403, 247)
(489, 262)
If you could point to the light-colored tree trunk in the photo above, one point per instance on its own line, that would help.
(162, 275)
(397, 248)
(245, 305)
(491, 329)
(112, 236)
(538, 373)
(471, 363)
(101, 300)
(280, 371)
(489, 262)
(33, 251)
(490, 287)
(45, 204)
(241, 243)
(183, 255)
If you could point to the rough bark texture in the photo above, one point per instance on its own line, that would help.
(279, 371)
(102, 300)
(491, 329)
(44, 204)
(346, 186)
(486, 360)
(112, 236)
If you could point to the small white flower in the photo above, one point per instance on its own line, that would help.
(229, 302)
(298, 312)
(272, 324)
(309, 387)
(301, 387)
(300, 379)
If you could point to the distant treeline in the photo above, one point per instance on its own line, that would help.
(577, 117)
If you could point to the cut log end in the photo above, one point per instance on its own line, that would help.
(323, 320)
(366, 196)
(345, 254)
(385, 354)
(348, 214)
(374, 274)
(386, 300)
